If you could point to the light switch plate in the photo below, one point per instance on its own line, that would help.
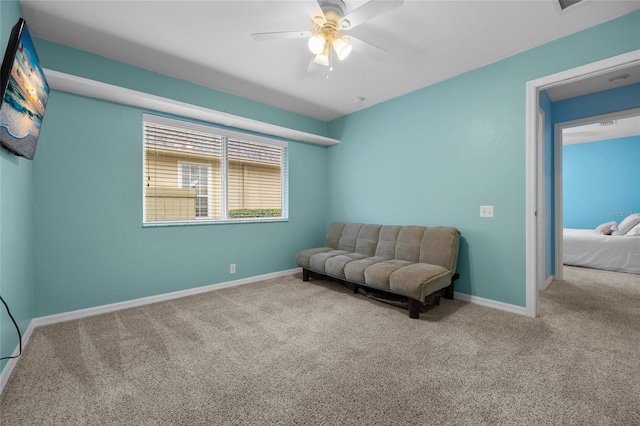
(486, 211)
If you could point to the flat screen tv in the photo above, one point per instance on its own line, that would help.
(24, 94)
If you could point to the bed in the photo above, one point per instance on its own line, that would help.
(583, 247)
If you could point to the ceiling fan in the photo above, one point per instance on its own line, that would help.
(328, 26)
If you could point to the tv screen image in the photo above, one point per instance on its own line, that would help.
(24, 94)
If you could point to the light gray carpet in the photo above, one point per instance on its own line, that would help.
(291, 353)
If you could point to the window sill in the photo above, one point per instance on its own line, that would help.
(213, 222)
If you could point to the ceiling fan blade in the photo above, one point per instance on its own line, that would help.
(369, 11)
(315, 12)
(279, 35)
(367, 49)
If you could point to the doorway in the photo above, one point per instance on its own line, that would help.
(536, 246)
(620, 124)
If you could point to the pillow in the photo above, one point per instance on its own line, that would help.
(606, 228)
(635, 231)
(628, 223)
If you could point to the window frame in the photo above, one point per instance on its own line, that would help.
(223, 200)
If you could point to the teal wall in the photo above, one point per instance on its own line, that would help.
(601, 181)
(75, 62)
(91, 248)
(432, 157)
(16, 224)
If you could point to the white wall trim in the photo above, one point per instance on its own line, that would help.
(533, 178)
(103, 309)
(97, 310)
(8, 369)
(520, 310)
(548, 282)
(558, 207)
(541, 208)
(96, 89)
(112, 307)
(531, 231)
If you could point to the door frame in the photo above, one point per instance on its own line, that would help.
(535, 179)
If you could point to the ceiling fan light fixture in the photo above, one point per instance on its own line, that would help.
(342, 46)
(322, 58)
(317, 43)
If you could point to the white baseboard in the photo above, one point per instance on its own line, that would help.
(548, 282)
(8, 369)
(97, 310)
(520, 310)
(103, 309)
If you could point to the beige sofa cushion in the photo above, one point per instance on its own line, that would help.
(419, 280)
(335, 265)
(303, 258)
(349, 237)
(377, 275)
(317, 261)
(367, 239)
(334, 234)
(387, 241)
(354, 271)
(408, 245)
(439, 246)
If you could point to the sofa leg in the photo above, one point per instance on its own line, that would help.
(305, 274)
(355, 288)
(448, 291)
(414, 308)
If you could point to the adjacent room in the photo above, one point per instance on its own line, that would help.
(318, 212)
(592, 223)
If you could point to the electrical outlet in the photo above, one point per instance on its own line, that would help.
(232, 268)
(486, 211)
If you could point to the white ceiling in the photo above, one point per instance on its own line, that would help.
(596, 83)
(602, 130)
(210, 43)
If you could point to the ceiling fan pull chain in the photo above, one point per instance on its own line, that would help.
(330, 58)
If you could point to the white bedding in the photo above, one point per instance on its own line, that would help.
(583, 247)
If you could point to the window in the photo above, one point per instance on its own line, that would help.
(196, 176)
(195, 173)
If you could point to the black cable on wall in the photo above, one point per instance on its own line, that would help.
(17, 329)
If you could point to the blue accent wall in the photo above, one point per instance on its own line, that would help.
(16, 224)
(433, 156)
(605, 102)
(91, 248)
(601, 182)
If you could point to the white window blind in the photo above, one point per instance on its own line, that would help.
(195, 173)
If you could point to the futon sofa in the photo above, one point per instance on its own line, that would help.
(412, 262)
